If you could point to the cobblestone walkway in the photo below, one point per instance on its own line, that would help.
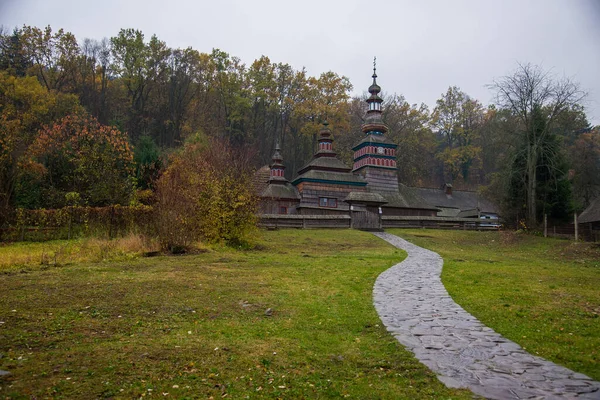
(416, 308)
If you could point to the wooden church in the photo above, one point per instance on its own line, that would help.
(327, 186)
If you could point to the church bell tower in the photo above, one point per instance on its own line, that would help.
(375, 155)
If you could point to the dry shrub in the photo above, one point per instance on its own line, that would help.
(96, 249)
(206, 194)
(77, 251)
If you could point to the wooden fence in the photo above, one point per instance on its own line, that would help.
(439, 223)
(585, 231)
(70, 222)
(273, 221)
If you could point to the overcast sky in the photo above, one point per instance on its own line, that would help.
(422, 47)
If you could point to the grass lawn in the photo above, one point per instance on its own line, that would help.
(541, 293)
(195, 326)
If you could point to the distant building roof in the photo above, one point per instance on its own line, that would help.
(456, 199)
(414, 199)
(592, 213)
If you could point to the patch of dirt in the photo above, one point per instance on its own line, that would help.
(578, 251)
(509, 237)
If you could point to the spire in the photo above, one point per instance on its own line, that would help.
(373, 121)
(374, 89)
(277, 167)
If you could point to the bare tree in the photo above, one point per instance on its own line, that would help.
(536, 99)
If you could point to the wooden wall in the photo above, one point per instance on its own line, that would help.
(311, 191)
(380, 179)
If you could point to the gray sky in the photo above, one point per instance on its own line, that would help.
(422, 47)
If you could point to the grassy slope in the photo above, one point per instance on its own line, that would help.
(542, 293)
(195, 326)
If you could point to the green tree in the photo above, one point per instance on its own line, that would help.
(148, 162)
(585, 161)
(12, 54)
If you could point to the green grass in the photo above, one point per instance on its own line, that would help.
(541, 293)
(194, 326)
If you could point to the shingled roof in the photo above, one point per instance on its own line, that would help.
(315, 175)
(283, 191)
(375, 139)
(325, 163)
(592, 213)
(459, 200)
(365, 197)
(414, 199)
(260, 180)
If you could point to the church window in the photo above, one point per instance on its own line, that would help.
(328, 202)
(282, 210)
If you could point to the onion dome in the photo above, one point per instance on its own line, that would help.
(373, 122)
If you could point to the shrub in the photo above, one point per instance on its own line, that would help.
(206, 194)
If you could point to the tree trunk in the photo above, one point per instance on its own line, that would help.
(531, 186)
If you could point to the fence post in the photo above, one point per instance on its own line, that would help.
(70, 222)
(545, 225)
(576, 227)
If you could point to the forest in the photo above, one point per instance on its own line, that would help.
(97, 122)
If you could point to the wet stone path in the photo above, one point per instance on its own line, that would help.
(416, 308)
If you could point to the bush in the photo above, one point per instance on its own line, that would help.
(206, 194)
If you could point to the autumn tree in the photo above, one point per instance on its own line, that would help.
(94, 78)
(25, 106)
(410, 129)
(232, 88)
(142, 68)
(78, 154)
(146, 88)
(458, 119)
(536, 101)
(53, 56)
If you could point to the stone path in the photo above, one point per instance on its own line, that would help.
(416, 308)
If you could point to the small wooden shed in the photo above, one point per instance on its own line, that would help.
(590, 219)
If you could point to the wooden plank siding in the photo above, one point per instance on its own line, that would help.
(312, 191)
(381, 180)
